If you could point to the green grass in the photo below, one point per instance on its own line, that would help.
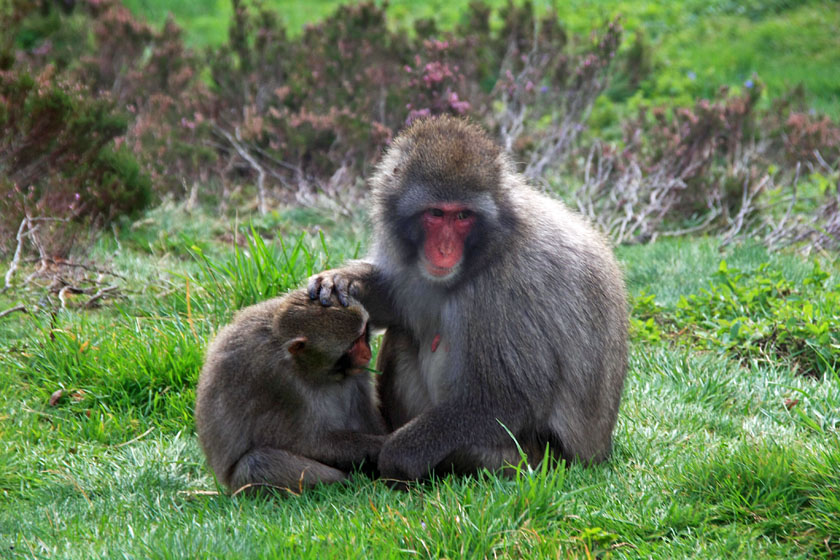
(780, 50)
(777, 308)
(713, 457)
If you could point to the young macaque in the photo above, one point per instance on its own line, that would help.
(285, 398)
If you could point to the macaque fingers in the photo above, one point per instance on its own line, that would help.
(339, 282)
(313, 287)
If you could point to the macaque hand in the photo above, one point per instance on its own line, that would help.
(374, 448)
(345, 283)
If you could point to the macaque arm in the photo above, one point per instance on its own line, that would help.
(372, 421)
(417, 448)
(360, 280)
(346, 449)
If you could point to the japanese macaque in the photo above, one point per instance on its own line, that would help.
(505, 311)
(285, 400)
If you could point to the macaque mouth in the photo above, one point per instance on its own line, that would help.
(439, 271)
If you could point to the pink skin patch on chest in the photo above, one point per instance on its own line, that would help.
(435, 343)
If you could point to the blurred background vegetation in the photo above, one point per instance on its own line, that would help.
(651, 118)
(785, 42)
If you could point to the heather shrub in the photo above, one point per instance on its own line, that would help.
(58, 157)
(726, 165)
(811, 138)
(274, 118)
(310, 114)
(699, 146)
(546, 91)
(152, 75)
(100, 107)
(435, 80)
(304, 116)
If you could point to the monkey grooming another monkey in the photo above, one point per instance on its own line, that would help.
(284, 398)
(504, 310)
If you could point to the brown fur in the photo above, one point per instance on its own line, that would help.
(530, 333)
(275, 404)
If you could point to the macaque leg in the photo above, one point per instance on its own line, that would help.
(277, 468)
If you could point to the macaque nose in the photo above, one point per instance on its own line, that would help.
(448, 242)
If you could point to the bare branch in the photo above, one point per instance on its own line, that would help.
(87, 267)
(13, 266)
(747, 207)
(14, 309)
(99, 295)
(62, 294)
(240, 149)
(774, 236)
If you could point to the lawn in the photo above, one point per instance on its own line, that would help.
(715, 455)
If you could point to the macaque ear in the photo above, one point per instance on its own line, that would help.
(296, 345)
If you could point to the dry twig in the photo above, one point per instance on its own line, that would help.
(14, 309)
(99, 295)
(13, 266)
(137, 438)
(240, 149)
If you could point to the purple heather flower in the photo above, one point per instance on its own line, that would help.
(459, 106)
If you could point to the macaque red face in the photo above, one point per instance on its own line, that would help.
(446, 227)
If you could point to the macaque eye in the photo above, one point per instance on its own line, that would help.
(463, 215)
(436, 212)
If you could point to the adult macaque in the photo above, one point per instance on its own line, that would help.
(504, 310)
(284, 398)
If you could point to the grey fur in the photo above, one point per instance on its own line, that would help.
(267, 417)
(532, 325)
